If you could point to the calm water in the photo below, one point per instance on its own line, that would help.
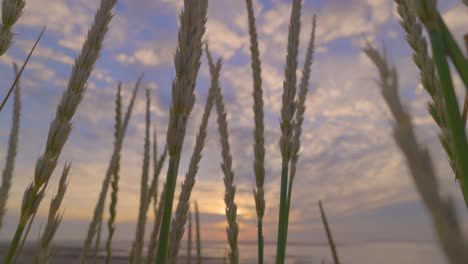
(361, 253)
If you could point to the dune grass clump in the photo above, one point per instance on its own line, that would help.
(60, 127)
(99, 209)
(292, 116)
(442, 210)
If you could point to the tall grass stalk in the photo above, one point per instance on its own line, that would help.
(287, 114)
(158, 211)
(189, 239)
(180, 218)
(115, 176)
(11, 12)
(197, 234)
(187, 63)
(259, 142)
(98, 210)
(442, 211)
(232, 229)
(153, 196)
(54, 219)
(7, 174)
(300, 110)
(144, 191)
(428, 15)
(329, 235)
(60, 127)
(97, 242)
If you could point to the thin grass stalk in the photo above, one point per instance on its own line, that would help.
(300, 110)
(115, 176)
(11, 12)
(153, 190)
(97, 243)
(197, 234)
(18, 76)
(144, 191)
(54, 219)
(259, 142)
(158, 212)
(180, 218)
(60, 127)
(232, 229)
(287, 124)
(442, 211)
(98, 210)
(187, 64)
(326, 226)
(189, 240)
(7, 174)
(428, 14)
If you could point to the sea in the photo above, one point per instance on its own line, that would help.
(310, 253)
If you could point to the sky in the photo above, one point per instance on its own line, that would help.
(348, 158)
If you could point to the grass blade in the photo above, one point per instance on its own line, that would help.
(329, 235)
(18, 76)
(7, 174)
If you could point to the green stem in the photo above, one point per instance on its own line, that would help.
(14, 243)
(283, 216)
(454, 51)
(161, 253)
(197, 223)
(329, 235)
(260, 240)
(454, 120)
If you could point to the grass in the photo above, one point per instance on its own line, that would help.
(168, 229)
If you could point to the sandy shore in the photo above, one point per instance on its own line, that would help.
(70, 255)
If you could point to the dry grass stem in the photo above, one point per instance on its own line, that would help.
(259, 143)
(442, 211)
(158, 211)
(232, 229)
(18, 76)
(98, 211)
(7, 174)
(329, 235)
(189, 239)
(115, 176)
(144, 191)
(197, 234)
(301, 107)
(54, 219)
(180, 218)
